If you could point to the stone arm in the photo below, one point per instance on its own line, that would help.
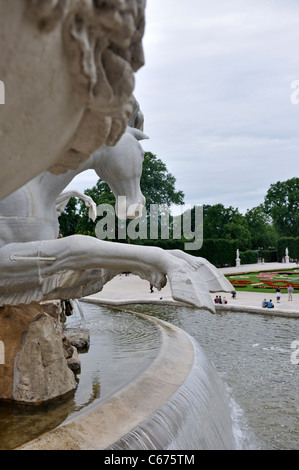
(64, 198)
(214, 280)
(52, 269)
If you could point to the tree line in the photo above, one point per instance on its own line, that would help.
(225, 229)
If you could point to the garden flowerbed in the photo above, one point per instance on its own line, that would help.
(270, 281)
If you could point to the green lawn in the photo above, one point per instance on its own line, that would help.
(266, 281)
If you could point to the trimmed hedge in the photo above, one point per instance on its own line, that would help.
(249, 257)
(222, 252)
(292, 243)
(219, 252)
(270, 256)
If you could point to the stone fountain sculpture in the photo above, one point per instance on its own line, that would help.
(80, 265)
(68, 69)
(80, 121)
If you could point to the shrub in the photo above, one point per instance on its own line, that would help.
(219, 252)
(249, 257)
(291, 243)
(269, 256)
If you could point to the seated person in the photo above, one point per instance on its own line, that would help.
(270, 305)
(264, 303)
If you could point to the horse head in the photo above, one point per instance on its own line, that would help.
(121, 167)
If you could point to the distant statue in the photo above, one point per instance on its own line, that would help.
(238, 261)
(68, 70)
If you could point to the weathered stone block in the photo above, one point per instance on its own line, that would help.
(35, 367)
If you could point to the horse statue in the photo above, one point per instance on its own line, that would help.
(36, 265)
(57, 121)
(31, 213)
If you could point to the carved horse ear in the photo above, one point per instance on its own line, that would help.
(139, 135)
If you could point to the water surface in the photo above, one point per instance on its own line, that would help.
(252, 354)
(121, 347)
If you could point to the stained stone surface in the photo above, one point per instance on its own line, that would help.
(35, 368)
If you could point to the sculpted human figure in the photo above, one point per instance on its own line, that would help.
(68, 69)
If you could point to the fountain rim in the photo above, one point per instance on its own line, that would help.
(101, 425)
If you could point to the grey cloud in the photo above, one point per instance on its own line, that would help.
(215, 93)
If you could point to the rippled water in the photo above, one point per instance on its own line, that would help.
(252, 354)
(121, 346)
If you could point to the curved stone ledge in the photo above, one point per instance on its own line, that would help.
(223, 307)
(258, 310)
(110, 302)
(101, 425)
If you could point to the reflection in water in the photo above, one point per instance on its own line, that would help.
(121, 346)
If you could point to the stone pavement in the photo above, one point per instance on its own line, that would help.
(131, 289)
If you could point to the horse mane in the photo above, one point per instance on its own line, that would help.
(136, 119)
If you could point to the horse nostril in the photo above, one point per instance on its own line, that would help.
(134, 211)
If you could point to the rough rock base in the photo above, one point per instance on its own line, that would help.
(34, 366)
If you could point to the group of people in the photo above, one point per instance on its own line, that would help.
(290, 293)
(219, 300)
(269, 304)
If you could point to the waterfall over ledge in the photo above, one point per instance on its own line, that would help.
(197, 416)
(178, 402)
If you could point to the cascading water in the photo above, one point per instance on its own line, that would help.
(251, 402)
(198, 416)
(78, 308)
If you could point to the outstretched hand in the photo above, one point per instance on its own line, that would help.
(187, 286)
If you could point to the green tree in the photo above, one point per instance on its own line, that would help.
(158, 187)
(101, 194)
(157, 184)
(220, 222)
(69, 218)
(282, 204)
(261, 230)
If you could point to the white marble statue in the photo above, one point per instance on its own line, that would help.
(238, 261)
(68, 70)
(35, 265)
(31, 213)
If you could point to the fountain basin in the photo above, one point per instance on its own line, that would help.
(101, 425)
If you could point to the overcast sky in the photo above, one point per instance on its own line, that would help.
(216, 96)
